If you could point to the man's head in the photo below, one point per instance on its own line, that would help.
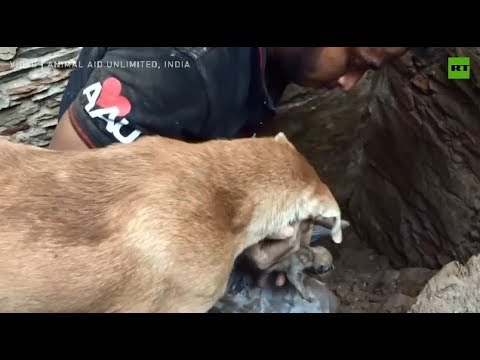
(330, 66)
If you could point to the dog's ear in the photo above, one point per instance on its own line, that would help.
(280, 137)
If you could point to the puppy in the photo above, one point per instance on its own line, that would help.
(267, 252)
(153, 226)
(315, 260)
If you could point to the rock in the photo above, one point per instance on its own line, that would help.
(19, 86)
(53, 102)
(326, 126)
(421, 82)
(5, 66)
(50, 123)
(30, 92)
(387, 280)
(359, 260)
(15, 128)
(415, 200)
(397, 303)
(412, 280)
(475, 235)
(13, 116)
(35, 52)
(16, 72)
(60, 75)
(24, 65)
(342, 291)
(454, 289)
(45, 113)
(7, 53)
(42, 73)
(28, 135)
(50, 92)
(4, 101)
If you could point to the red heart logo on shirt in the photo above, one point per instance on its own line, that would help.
(110, 96)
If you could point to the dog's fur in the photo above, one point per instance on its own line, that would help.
(153, 226)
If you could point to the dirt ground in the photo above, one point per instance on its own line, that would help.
(364, 282)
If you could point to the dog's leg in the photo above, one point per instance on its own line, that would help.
(269, 252)
(284, 233)
(305, 232)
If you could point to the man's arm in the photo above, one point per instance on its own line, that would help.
(65, 136)
(280, 247)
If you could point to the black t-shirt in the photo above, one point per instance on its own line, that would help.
(194, 94)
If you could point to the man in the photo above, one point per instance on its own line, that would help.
(195, 94)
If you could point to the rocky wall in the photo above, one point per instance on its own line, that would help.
(32, 80)
(327, 126)
(418, 197)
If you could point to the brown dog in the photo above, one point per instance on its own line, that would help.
(153, 226)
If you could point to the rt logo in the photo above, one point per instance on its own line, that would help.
(459, 68)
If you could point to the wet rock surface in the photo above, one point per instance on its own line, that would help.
(417, 199)
(400, 153)
(326, 126)
(365, 282)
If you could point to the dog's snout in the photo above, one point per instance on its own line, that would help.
(322, 269)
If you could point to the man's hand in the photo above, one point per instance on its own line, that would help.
(279, 247)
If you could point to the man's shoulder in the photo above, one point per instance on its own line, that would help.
(211, 53)
(220, 58)
(196, 53)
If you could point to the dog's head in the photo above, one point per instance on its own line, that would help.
(289, 190)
